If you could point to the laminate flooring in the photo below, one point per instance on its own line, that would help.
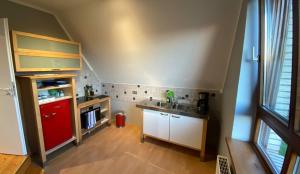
(114, 150)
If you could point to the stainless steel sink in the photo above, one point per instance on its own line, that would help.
(175, 106)
(162, 104)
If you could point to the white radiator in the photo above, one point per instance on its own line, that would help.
(222, 165)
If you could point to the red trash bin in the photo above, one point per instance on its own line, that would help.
(120, 119)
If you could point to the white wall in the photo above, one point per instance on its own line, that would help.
(247, 98)
(231, 85)
(161, 43)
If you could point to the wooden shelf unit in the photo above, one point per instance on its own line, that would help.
(32, 115)
(105, 104)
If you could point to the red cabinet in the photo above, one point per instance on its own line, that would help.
(56, 123)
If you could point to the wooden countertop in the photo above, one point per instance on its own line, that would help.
(244, 158)
(11, 164)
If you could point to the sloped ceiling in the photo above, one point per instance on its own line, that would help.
(175, 43)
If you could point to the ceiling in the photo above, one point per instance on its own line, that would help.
(171, 43)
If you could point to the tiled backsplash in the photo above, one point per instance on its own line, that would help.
(125, 96)
(137, 93)
(87, 77)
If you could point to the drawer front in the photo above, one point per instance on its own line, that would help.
(56, 123)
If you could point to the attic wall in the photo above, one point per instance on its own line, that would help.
(26, 19)
(248, 81)
(169, 43)
(231, 85)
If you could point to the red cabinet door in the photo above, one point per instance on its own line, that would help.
(56, 123)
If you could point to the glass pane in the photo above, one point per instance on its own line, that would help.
(273, 146)
(48, 62)
(27, 42)
(297, 166)
(278, 57)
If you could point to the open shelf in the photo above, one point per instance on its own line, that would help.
(98, 124)
(54, 87)
(104, 110)
(55, 100)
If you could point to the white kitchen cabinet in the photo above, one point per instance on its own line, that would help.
(156, 124)
(178, 129)
(186, 131)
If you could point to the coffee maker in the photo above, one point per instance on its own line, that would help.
(202, 104)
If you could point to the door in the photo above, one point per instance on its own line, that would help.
(186, 131)
(11, 129)
(156, 124)
(56, 123)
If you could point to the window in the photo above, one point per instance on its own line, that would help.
(297, 166)
(282, 103)
(278, 58)
(276, 135)
(273, 146)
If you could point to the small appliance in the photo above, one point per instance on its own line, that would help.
(203, 102)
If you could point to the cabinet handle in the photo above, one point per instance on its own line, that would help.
(54, 113)
(57, 107)
(55, 69)
(163, 114)
(46, 116)
(175, 116)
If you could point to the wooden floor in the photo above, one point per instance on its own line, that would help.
(119, 151)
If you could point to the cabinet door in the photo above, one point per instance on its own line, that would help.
(156, 124)
(42, 63)
(42, 53)
(56, 123)
(186, 130)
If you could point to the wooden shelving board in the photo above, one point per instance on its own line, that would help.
(54, 87)
(104, 110)
(98, 124)
(57, 99)
(60, 146)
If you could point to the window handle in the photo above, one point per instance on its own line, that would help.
(175, 116)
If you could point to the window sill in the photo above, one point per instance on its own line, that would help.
(243, 157)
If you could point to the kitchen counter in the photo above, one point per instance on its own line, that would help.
(81, 100)
(181, 109)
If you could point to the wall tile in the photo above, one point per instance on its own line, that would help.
(188, 95)
(87, 77)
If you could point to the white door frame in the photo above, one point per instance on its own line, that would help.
(14, 89)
